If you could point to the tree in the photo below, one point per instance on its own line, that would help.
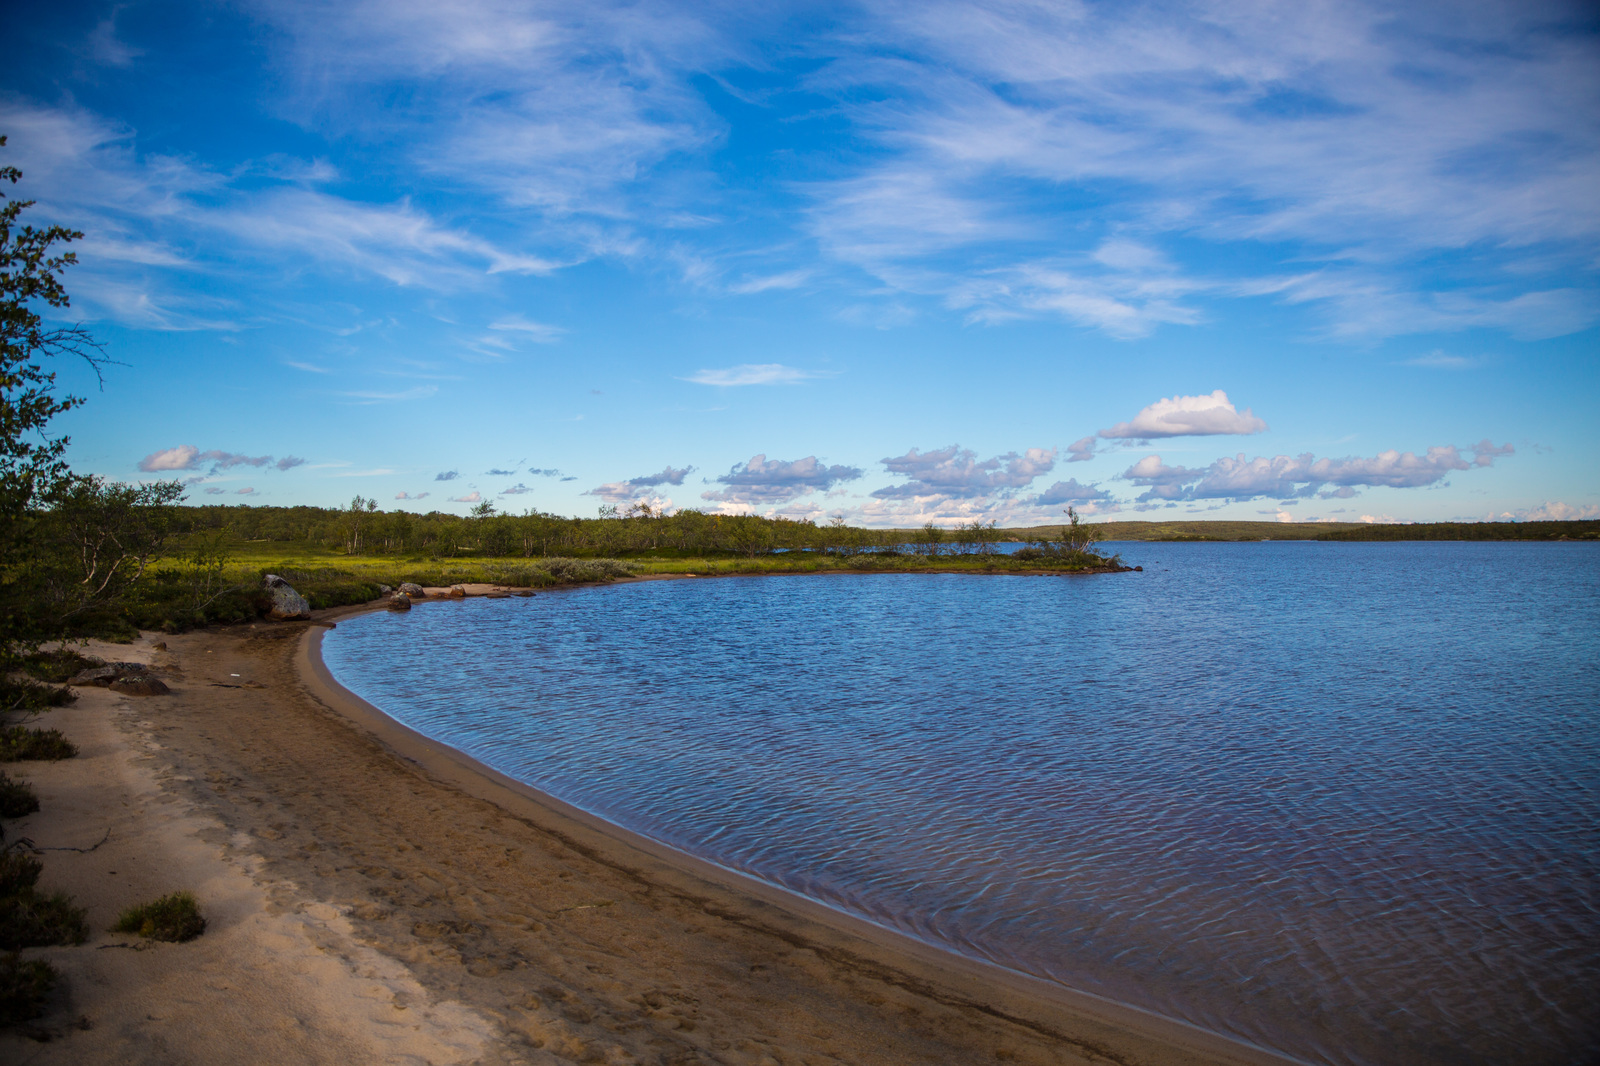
(1077, 537)
(32, 467)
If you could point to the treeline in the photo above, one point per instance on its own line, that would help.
(363, 529)
(1575, 530)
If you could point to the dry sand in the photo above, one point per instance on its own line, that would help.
(373, 898)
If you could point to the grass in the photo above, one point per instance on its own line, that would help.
(25, 986)
(17, 798)
(23, 742)
(175, 917)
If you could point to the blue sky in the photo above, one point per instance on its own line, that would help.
(903, 262)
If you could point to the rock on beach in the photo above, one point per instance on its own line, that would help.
(287, 604)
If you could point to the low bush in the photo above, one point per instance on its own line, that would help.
(58, 666)
(18, 743)
(31, 920)
(17, 798)
(175, 917)
(18, 871)
(25, 694)
(25, 985)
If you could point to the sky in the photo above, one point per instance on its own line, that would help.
(896, 262)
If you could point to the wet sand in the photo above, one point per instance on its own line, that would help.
(375, 897)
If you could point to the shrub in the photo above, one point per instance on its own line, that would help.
(58, 666)
(175, 917)
(30, 920)
(17, 798)
(21, 742)
(17, 872)
(25, 984)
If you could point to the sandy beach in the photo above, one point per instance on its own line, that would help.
(374, 897)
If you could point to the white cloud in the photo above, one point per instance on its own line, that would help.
(1283, 476)
(752, 374)
(183, 457)
(1187, 416)
(471, 497)
(1557, 511)
(538, 332)
(771, 481)
(956, 472)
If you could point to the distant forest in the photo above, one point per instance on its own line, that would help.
(363, 529)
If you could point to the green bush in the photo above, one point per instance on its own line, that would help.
(31, 920)
(57, 666)
(175, 917)
(18, 871)
(21, 742)
(17, 798)
(25, 985)
(24, 694)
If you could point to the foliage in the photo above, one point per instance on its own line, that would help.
(175, 917)
(25, 985)
(30, 919)
(19, 743)
(59, 665)
(17, 799)
(18, 871)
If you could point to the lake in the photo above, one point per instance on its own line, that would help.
(1340, 800)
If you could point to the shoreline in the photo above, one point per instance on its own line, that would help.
(326, 827)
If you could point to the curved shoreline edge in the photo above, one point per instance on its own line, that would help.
(1120, 1032)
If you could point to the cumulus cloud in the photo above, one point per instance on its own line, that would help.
(246, 491)
(1081, 451)
(1284, 477)
(180, 458)
(448, 475)
(471, 497)
(752, 374)
(778, 481)
(1073, 493)
(1187, 416)
(668, 476)
(956, 472)
(409, 496)
(1553, 511)
(638, 488)
(515, 490)
(188, 457)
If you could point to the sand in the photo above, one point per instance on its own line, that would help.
(375, 898)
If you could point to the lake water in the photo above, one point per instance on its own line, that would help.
(1337, 800)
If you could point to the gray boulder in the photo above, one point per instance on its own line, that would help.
(411, 588)
(287, 604)
(400, 602)
(139, 685)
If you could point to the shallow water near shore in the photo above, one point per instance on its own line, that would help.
(1338, 800)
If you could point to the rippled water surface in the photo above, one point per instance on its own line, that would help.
(1339, 800)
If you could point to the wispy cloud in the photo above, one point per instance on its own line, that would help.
(752, 374)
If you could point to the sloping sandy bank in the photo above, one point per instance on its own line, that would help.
(375, 899)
